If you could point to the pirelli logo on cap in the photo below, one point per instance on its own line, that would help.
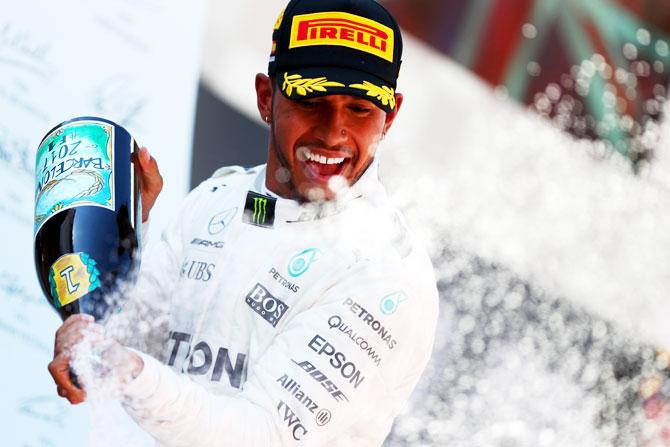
(343, 29)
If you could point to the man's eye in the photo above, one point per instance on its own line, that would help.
(308, 104)
(361, 109)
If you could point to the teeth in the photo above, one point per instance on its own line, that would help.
(321, 158)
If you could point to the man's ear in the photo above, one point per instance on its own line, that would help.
(390, 116)
(264, 96)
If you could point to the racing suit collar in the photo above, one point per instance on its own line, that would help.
(368, 188)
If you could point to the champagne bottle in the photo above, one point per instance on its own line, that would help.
(87, 216)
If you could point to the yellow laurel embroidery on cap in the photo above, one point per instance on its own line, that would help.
(279, 20)
(306, 85)
(384, 94)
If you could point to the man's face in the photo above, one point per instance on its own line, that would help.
(317, 143)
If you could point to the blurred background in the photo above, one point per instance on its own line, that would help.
(531, 158)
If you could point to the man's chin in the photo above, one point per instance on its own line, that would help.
(320, 193)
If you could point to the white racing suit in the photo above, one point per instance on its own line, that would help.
(289, 324)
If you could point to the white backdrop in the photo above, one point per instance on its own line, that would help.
(135, 62)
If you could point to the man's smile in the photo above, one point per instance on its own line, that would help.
(321, 164)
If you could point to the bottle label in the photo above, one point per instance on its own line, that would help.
(75, 166)
(72, 276)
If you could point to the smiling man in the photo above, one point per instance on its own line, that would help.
(336, 68)
(301, 309)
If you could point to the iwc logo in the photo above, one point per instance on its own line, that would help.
(71, 277)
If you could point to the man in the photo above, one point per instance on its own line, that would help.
(301, 310)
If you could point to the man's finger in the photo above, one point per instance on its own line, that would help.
(74, 333)
(151, 181)
(74, 319)
(59, 369)
(150, 173)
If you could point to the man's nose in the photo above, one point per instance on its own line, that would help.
(332, 127)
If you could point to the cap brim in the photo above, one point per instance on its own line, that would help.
(304, 83)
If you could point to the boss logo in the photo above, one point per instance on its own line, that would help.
(267, 306)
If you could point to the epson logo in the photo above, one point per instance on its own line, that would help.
(267, 306)
(293, 387)
(292, 421)
(207, 244)
(200, 360)
(371, 321)
(320, 377)
(337, 360)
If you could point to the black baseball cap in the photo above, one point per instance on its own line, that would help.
(330, 47)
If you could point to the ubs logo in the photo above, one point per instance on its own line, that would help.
(197, 270)
(221, 221)
(267, 306)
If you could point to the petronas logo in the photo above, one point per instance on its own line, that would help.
(259, 210)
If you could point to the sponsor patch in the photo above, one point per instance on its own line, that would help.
(221, 221)
(296, 391)
(321, 378)
(323, 417)
(197, 270)
(336, 322)
(264, 304)
(300, 263)
(207, 244)
(342, 29)
(371, 321)
(292, 421)
(337, 360)
(259, 210)
(283, 281)
(389, 304)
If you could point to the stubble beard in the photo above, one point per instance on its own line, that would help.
(283, 162)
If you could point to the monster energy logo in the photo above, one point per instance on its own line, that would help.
(259, 210)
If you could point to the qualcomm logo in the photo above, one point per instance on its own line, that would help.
(300, 263)
(389, 304)
(220, 221)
